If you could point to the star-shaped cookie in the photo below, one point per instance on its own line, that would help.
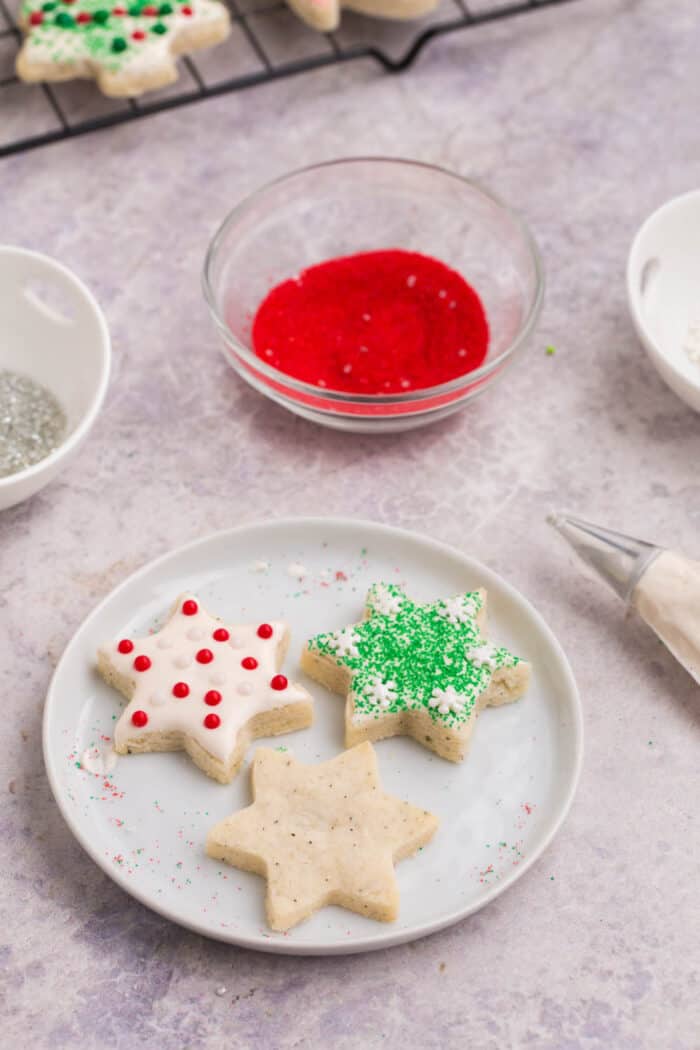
(325, 14)
(325, 834)
(424, 671)
(204, 687)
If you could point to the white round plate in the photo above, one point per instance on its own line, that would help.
(145, 822)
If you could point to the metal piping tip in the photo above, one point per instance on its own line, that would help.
(618, 559)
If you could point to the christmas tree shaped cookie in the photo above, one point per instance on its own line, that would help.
(325, 14)
(204, 687)
(128, 46)
(325, 834)
(424, 671)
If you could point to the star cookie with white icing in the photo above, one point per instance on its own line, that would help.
(204, 687)
(325, 834)
(424, 671)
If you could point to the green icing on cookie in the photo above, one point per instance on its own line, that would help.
(407, 656)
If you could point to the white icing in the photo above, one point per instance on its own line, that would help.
(457, 610)
(183, 660)
(668, 598)
(195, 634)
(236, 641)
(297, 570)
(385, 602)
(447, 700)
(344, 643)
(164, 643)
(98, 760)
(187, 715)
(158, 698)
(381, 693)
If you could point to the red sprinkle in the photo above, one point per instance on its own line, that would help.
(186, 10)
(212, 721)
(181, 690)
(279, 682)
(138, 34)
(190, 607)
(374, 323)
(264, 630)
(204, 656)
(36, 18)
(213, 697)
(149, 10)
(83, 17)
(118, 10)
(139, 718)
(249, 662)
(125, 646)
(142, 663)
(220, 635)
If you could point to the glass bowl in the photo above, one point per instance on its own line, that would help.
(359, 205)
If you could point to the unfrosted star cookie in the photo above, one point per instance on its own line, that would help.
(128, 46)
(424, 671)
(204, 687)
(325, 14)
(325, 834)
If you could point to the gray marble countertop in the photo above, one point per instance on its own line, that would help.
(585, 118)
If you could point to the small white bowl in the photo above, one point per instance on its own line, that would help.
(54, 332)
(663, 289)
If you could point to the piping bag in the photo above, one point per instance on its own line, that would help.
(664, 587)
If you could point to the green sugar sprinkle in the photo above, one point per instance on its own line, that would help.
(408, 656)
(550, 351)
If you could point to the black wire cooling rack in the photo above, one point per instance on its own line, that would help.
(267, 42)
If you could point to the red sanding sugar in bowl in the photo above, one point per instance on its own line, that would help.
(384, 322)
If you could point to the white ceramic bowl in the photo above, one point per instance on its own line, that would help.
(663, 288)
(53, 331)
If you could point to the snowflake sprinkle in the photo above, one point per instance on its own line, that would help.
(457, 610)
(382, 694)
(447, 700)
(345, 643)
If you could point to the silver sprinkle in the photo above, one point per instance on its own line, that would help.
(32, 423)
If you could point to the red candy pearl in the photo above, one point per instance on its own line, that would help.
(213, 697)
(249, 662)
(189, 607)
(212, 721)
(125, 646)
(36, 18)
(279, 682)
(221, 635)
(138, 34)
(139, 719)
(264, 631)
(142, 663)
(181, 690)
(83, 17)
(204, 656)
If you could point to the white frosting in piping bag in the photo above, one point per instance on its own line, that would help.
(668, 598)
